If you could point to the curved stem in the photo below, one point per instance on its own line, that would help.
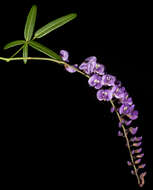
(43, 59)
(77, 70)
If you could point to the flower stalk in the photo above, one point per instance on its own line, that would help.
(127, 142)
(94, 81)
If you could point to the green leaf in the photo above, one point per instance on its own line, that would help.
(44, 50)
(30, 23)
(54, 25)
(13, 44)
(25, 52)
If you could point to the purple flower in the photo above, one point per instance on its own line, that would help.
(112, 109)
(138, 161)
(142, 166)
(118, 92)
(71, 69)
(140, 155)
(95, 81)
(64, 55)
(137, 144)
(127, 123)
(133, 115)
(138, 150)
(121, 123)
(105, 95)
(99, 69)
(120, 134)
(91, 59)
(126, 99)
(136, 139)
(129, 163)
(118, 83)
(133, 131)
(88, 65)
(88, 68)
(108, 80)
(126, 109)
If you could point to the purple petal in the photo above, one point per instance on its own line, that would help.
(105, 95)
(99, 69)
(112, 109)
(137, 144)
(108, 80)
(140, 155)
(136, 139)
(142, 166)
(121, 109)
(138, 161)
(133, 131)
(95, 81)
(129, 163)
(91, 59)
(138, 150)
(83, 66)
(132, 172)
(127, 123)
(120, 123)
(120, 134)
(133, 115)
(71, 69)
(64, 55)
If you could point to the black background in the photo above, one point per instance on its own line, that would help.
(53, 130)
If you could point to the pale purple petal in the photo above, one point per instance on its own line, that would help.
(108, 80)
(120, 134)
(99, 69)
(112, 109)
(140, 155)
(95, 81)
(71, 69)
(138, 150)
(91, 59)
(105, 95)
(133, 130)
(133, 115)
(138, 161)
(127, 123)
(142, 166)
(137, 144)
(129, 163)
(64, 55)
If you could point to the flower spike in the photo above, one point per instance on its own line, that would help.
(110, 89)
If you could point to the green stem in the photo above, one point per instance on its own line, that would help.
(17, 52)
(42, 59)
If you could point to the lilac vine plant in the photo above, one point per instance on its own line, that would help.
(107, 86)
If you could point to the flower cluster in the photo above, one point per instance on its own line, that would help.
(110, 89)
